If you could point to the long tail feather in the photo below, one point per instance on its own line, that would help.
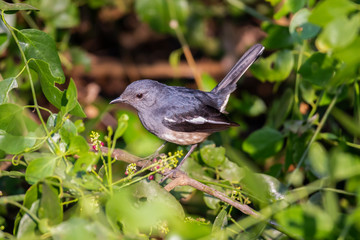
(240, 67)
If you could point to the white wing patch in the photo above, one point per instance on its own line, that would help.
(223, 106)
(169, 119)
(201, 120)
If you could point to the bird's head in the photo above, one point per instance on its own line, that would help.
(141, 94)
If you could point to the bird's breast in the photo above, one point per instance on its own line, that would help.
(184, 138)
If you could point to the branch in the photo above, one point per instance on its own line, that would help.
(182, 179)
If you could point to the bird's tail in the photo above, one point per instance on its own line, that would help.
(228, 84)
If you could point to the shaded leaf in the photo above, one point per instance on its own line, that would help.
(220, 221)
(5, 87)
(318, 69)
(263, 143)
(306, 221)
(157, 13)
(230, 171)
(280, 109)
(300, 29)
(278, 37)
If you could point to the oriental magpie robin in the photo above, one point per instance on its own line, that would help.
(186, 116)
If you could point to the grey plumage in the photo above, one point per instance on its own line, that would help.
(175, 113)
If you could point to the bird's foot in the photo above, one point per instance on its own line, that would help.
(171, 173)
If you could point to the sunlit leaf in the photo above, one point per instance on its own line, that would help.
(40, 168)
(276, 67)
(40, 47)
(328, 10)
(212, 156)
(15, 6)
(333, 34)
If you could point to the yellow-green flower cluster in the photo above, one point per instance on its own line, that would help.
(170, 161)
(237, 195)
(130, 169)
(94, 139)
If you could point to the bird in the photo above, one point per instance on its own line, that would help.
(182, 115)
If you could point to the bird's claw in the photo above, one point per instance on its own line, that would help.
(171, 173)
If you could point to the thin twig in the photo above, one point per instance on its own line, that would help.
(182, 179)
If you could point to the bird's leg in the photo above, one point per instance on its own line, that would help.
(154, 155)
(180, 164)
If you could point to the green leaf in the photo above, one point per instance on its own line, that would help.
(141, 206)
(263, 143)
(318, 69)
(277, 67)
(40, 168)
(71, 98)
(50, 207)
(58, 13)
(250, 105)
(208, 82)
(15, 6)
(16, 144)
(82, 229)
(261, 188)
(122, 126)
(318, 160)
(278, 37)
(12, 119)
(85, 162)
(332, 37)
(80, 57)
(212, 156)
(306, 221)
(328, 10)
(348, 167)
(211, 201)
(175, 57)
(230, 171)
(5, 87)
(280, 109)
(300, 29)
(40, 47)
(289, 6)
(157, 13)
(27, 226)
(220, 221)
(78, 145)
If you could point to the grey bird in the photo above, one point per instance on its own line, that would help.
(186, 116)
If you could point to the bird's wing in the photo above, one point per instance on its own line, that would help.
(196, 118)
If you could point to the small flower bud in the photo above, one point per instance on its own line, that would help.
(151, 177)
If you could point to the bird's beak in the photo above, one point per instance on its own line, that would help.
(117, 100)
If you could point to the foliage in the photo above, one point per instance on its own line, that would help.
(307, 148)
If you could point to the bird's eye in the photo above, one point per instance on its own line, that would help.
(139, 95)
